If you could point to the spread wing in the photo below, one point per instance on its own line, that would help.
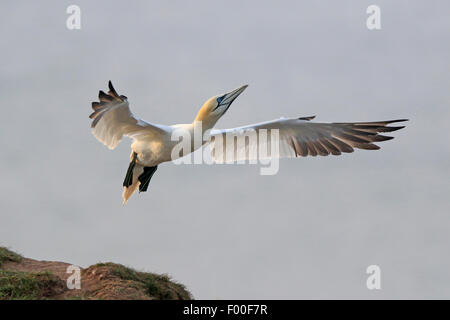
(113, 119)
(298, 137)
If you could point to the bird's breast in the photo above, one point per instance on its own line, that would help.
(150, 153)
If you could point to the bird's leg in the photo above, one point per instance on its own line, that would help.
(128, 181)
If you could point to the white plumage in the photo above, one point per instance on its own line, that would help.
(152, 143)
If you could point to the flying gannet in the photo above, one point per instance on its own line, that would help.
(152, 143)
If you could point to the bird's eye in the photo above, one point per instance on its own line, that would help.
(219, 99)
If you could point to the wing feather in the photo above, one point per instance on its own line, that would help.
(302, 137)
(112, 119)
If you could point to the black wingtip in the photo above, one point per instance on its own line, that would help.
(399, 120)
(397, 128)
(307, 118)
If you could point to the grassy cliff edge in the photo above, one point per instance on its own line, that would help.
(27, 279)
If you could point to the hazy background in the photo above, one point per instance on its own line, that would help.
(225, 231)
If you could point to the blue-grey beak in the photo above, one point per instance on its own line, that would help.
(231, 96)
(228, 98)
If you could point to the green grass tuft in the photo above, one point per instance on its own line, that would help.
(7, 255)
(155, 285)
(27, 286)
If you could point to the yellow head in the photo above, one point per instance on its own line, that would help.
(215, 107)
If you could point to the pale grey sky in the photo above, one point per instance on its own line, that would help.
(225, 231)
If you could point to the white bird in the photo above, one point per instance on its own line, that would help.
(153, 144)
